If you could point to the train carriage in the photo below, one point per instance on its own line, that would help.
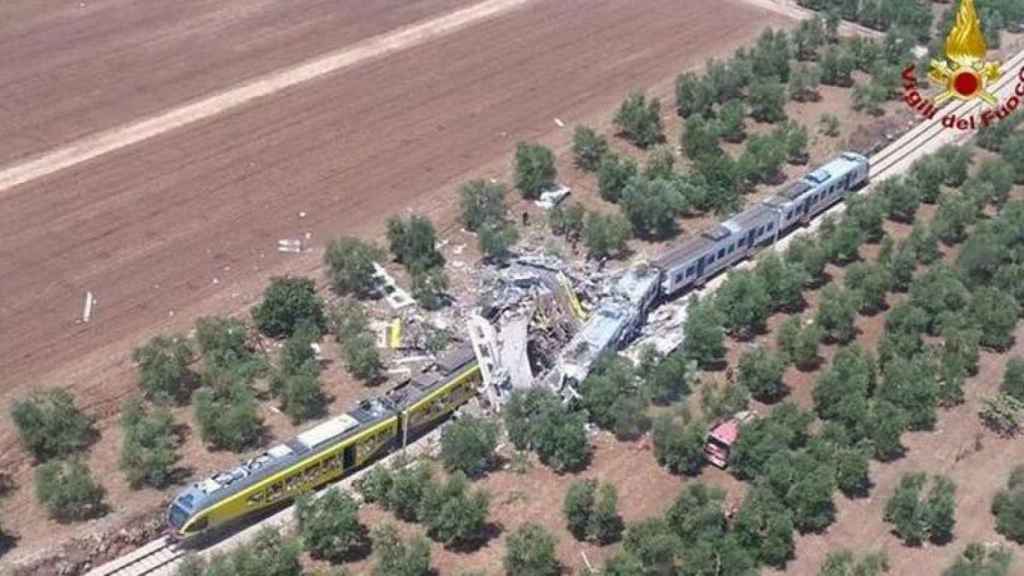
(328, 451)
(804, 199)
(697, 259)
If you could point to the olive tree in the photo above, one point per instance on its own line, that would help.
(163, 365)
(761, 372)
(1008, 507)
(530, 551)
(535, 169)
(468, 445)
(330, 526)
(68, 492)
(350, 266)
(287, 303)
(704, 333)
(50, 425)
(148, 445)
(639, 120)
(588, 148)
(396, 557)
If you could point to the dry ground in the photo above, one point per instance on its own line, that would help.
(150, 228)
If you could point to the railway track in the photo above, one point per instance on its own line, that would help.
(911, 142)
(159, 553)
(160, 557)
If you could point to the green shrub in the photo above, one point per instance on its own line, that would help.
(914, 517)
(163, 368)
(639, 120)
(982, 560)
(1008, 507)
(588, 148)
(535, 169)
(413, 243)
(330, 525)
(350, 269)
(398, 558)
(530, 551)
(287, 304)
(844, 563)
(761, 372)
(68, 492)
(50, 425)
(679, 447)
(223, 344)
(468, 445)
(453, 515)
(148, 445)
(228, 418)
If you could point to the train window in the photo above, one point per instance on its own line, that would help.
(721, 253)
(690, 271)
(760, 231)
(732, 248)
(789, 215)
(313, 470)
(742, 242)
(680, 276)
(770, 226)
(274, 490)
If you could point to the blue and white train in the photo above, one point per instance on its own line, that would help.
(699, 258)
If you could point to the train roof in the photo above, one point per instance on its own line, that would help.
(836, 168)
(324, 435)
(690, 248)
(750, 217)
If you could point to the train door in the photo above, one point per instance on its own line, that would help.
(700, 268)
(349, 457)
(750, 239)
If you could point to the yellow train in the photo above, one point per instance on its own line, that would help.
(329, 450)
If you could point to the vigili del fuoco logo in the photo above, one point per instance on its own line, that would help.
(964, 75)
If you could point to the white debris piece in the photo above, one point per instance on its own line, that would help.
(559, 123)
(289, 246)
(551, 198)
(395, 296)
(302, 214)
(87, 308)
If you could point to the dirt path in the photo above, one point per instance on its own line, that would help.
(376, 47)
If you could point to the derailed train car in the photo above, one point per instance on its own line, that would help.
(328, 451)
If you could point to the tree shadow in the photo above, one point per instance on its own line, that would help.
(180, 475)
(812, 365)
(491, 531)
(7, 543)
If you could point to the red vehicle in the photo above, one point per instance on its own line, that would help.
(722, 436)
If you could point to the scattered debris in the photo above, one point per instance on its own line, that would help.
(559, 123)
(289, 246)
(302, 214)
(551, 198)
(87, 308)
(395, 296)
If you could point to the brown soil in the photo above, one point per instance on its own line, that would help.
(79, 67)
(149, 228)
(645, 489)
